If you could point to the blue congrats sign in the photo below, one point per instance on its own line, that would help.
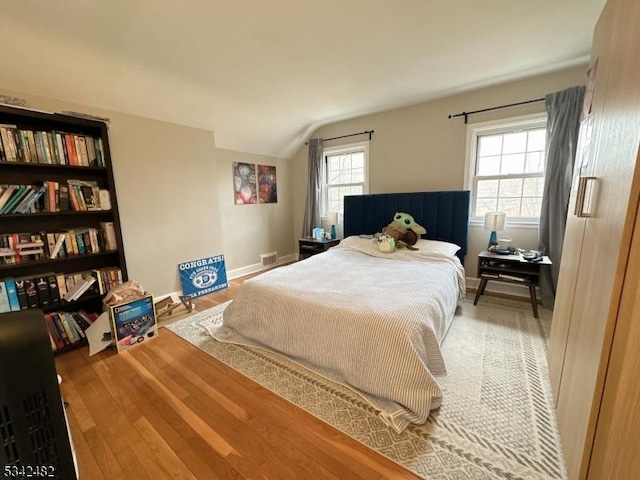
(201, 277)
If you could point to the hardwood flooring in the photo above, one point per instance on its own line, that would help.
(166, 410)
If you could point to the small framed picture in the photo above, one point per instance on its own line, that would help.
(244, 183)
(267, 184)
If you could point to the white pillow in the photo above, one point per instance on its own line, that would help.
(433, 246)
(436, 246)
(357, 241)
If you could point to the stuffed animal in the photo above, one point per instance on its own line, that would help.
(386, 243)
(404, 230)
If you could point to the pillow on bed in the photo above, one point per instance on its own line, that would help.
(434, 246)
(437, 246)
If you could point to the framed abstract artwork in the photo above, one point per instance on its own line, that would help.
(244, 183)
(267, 184)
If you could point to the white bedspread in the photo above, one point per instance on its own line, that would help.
(368, 320)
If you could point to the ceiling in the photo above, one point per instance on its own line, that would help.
(264, 74)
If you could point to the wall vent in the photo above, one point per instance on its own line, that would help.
(269, 259)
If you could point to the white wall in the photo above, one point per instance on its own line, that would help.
(251, 230)
(166, 182)
(419, 148)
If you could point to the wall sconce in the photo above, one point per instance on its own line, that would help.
(494, 221)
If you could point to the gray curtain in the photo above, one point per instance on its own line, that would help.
(563, 124)
(314, 187)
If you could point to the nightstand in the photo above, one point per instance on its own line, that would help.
(510, 269)
(309, 246)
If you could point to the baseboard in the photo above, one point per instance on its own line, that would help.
(509, 289)
(174, 295)
(258, 267)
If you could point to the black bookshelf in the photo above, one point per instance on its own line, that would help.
(34, 172)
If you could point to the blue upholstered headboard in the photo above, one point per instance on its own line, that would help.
(445, 215)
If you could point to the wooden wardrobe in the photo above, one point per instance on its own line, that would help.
(594, 348)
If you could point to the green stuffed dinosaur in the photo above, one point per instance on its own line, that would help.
(404, 230)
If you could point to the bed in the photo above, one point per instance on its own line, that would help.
(368, 320)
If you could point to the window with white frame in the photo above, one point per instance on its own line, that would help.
(506, 167)
(345, 173)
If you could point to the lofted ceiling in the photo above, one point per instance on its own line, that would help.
(265, 74)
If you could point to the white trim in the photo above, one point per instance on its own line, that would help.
(175, 296)
(258, 267)
(345, 148)
(478, 222)
(534, 120)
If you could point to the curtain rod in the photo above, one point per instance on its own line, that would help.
(366, 132)
(466, 114)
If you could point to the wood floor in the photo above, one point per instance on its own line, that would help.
(166, 410)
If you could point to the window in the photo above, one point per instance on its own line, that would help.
(506, 168)
(345, 173)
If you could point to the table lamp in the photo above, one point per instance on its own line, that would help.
(332, 219)
(494, 221)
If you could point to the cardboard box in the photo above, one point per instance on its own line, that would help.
(133, 322)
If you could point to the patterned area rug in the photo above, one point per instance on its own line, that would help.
(496, 420)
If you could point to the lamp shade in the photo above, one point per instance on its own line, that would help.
(494, 221)
(332, 218)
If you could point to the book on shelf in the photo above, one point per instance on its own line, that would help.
(31, 291)
(109, 234)
(12, 294)
(59, 329)
(54, 196)
(42, 288)
(74, 325)
(84, 194)
(27, 204)
(57, 246)
(30, 192)
(60, 150)
(49, 147)
(67, 328)
(16, 196)
(79, 288)
(22, 293)
(50, 201)
(105, 199)
(5, 306)
(7, 141)
(54, 291)
(7, 256)
(47, 290)
(6, 194)
(54, 335)
(72, 333)
(63, 197)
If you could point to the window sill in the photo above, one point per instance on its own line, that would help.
(509, 226)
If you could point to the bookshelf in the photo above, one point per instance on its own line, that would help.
(68, 159)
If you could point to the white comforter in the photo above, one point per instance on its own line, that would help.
(368, 320)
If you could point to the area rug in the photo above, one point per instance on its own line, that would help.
(497, 418)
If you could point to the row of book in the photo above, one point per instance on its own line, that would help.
(67, 328)
(52, 196)
(48, 290)
(53, 148)
(25, 247)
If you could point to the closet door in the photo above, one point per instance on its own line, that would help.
(615, 452)
(590, 129)
(605, 245)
